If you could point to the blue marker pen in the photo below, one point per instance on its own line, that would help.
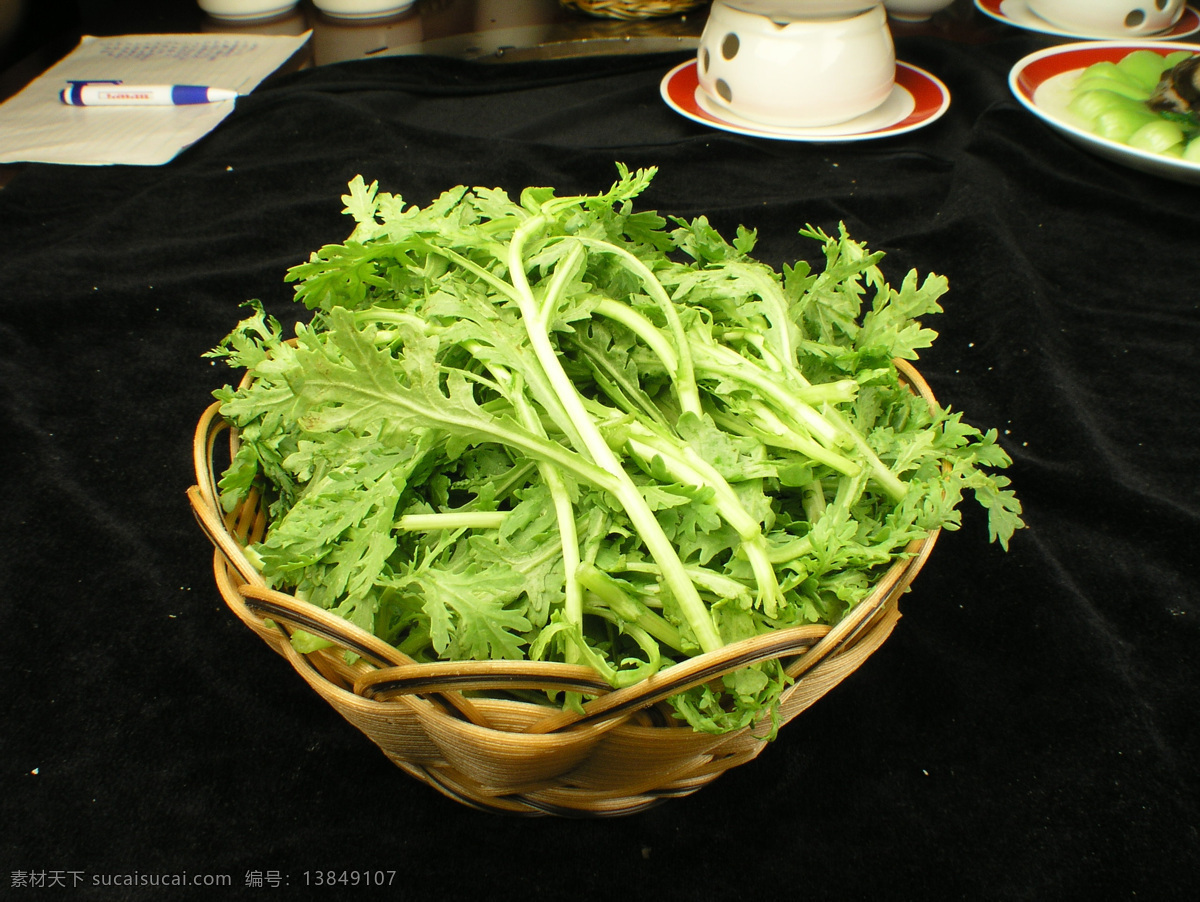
(116, 93)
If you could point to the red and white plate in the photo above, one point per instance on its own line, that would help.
(1043, 83)
(917, 100)
(1018, 13)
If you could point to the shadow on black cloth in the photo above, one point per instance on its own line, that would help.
(1029, 731)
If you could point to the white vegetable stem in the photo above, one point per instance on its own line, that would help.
(450, 520)
(682, 372)
(564, 512)
(689, 467)
(673, 573)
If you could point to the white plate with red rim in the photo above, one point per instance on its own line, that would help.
(917, 100)
(1043, 82)
(1018, 13)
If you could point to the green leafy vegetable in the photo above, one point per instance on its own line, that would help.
(561, 428)
(1111, 99)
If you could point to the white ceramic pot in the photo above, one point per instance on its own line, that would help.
(792, 70)
(245, 9)
(1109, 18)
(915, 10)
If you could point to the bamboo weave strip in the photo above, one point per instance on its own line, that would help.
(632, 9)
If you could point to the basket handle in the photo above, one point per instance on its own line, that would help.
(439, 676)
(812, 644)
(686, 674)
(287, 611)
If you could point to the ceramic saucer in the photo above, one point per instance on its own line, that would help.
(917, 100)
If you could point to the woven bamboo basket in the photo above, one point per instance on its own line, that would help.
(456, 725)
(632, 9)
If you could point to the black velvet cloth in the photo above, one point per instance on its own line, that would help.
(1028, 732)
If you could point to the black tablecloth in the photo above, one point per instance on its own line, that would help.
(1028, 732)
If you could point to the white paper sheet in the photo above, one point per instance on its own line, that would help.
(37, 127)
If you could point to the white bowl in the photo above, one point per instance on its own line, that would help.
(785, 69)
(245, 9)
(1114, 18)
(362, 9)
(915, 10)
